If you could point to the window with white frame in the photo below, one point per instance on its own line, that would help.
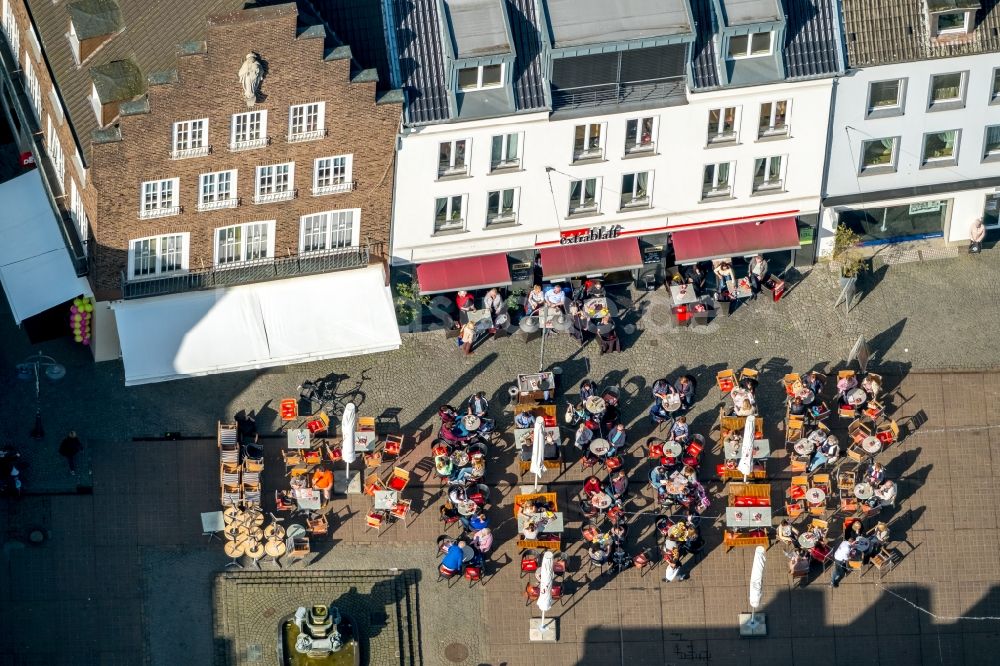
(505, 151)
(74, 42)
(750, 46)
(940, 148)
(79, 215)
(773, 119)
(274, 183)
(480, 78)
(253, 241)
(584, 196)
(588, 141)
(947, 91)
(217, 190)
(879, 155)
(717, 181)
(952, 22)
(885, 97)
(56, 153)
(501, 207)
(190, 139)
(34, 90)
(449, 213)
(452, 158)
(722, 125)
(249, 130)
(768, 173)
(991, 144)
(640, 135)
(10, 27)
(157, 255)
(159, 198)
(332, 230)
(307, 121)
(332, 175)
(636, 190)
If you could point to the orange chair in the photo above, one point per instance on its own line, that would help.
(794, 509)
(373, 459)
(531, 593)
(655, 448)
(444, 573)
(312, 457)
(373, 483)
(320, 424)
(334, 453)
(473, 574)
(399, 479)
(374, 519)
(401, 511)
(289, 409)
(726, 380)
(318, 525)
(393, 445)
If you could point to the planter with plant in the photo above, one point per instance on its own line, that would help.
(408, 299)
(846, 253)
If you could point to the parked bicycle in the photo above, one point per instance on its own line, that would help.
(322, 394)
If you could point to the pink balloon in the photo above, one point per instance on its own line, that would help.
(86, 342)
(73, 309)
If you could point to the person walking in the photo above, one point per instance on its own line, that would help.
(840, 557)
(68, 448)
(977, 232)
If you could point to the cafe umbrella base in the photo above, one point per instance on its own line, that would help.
(753, 625)
(543, 630)
(347, 482)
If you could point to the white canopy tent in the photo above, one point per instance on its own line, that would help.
(256, 326)
(35, 267)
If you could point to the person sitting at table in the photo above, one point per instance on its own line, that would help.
(657, 414)
(591, 486)
(556, 298)
(617, 438)
(535, 299)
(530, 531)
(757, 272)
(672, 558)
(471, 474)
(880, 535)
(617, 484)
(743, 403)
(284, 501)
(594, 289)
(580, 329)
(478, 405)
(584, 435)
(658, 477)
(826, 452)
(725, 279)
(465, 301)
(871, 386)
(322, 480)
(524, 420)
(482, 540)
(796, 407)
(587, 390)
(886, 493)
(814, 381)
(443, 465)
(845, 384)
(786, 533)
(454, 557)
(695, 276)
(599, 553)
(497, 308)
(876, 474)
(679, 431)
(685, 388)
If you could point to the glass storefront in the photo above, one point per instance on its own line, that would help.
(921, 219)
(991, 211)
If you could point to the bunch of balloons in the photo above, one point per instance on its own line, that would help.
(81, 315)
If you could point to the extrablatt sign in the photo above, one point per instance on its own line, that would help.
(27, 160)
(590, 235)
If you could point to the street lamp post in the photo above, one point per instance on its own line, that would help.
(32, 368)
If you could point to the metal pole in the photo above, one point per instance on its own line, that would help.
(544, 318)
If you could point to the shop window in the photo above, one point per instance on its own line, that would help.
(922, 219)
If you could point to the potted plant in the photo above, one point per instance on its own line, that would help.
(846, 254)
(407, 297)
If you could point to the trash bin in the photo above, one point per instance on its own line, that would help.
(683, 315)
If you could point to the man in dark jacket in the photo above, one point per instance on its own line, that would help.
(68, 448)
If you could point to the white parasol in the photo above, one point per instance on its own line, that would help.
(757, 578)
(538, 450)
(545, 576)
(746, 450)
(347, 423)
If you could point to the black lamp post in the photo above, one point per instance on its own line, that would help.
(32, 368)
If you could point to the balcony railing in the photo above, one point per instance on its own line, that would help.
(245, 273)
(618, 93)
(190, 152)
(232, 202)
(336, 188)
(306, 136)
(151, 213)
(271, 197)
(249, 144)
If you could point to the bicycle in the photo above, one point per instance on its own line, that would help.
(323, 395)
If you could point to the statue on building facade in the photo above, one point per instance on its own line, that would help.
(251, 76)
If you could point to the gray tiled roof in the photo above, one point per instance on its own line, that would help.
(478, 27)
(879, 32)
(359, 24)
(95, 18)
(153, 29)
(742, 12)
(581, 22)
(812, 41)
(417, 38)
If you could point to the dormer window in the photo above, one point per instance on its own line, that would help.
(482, 77)
(754, 45)
(952, 23)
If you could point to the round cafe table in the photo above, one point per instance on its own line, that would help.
(672, 403)
(275, 548)
(255, 518)
(600, 447)
(806, 395)
(856, 397)
(871, 445)
(601, 500)
(466, 508)
(864, 491)
(595, 405)
(229, 515)
(460, 458)
(862, 543)
(467, 554)
(274, 531)
(295, 530)
(255, 550)
(807, 539)
(804, 446)
(672, 448)
(232, 533)
(471, 422)
(235, 549)
(255, 534)
(815, 496)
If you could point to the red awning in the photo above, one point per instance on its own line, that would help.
(468, 273)
(620, 254)
(735, 240)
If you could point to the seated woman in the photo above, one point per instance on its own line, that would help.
(443, 465)
(796, 407)
(826, 452)
(679, 432)
(592, 485)
(694, 275)
(845, 384)
(447, 414)
(524, 420)
(599, 554)
(657, 414)
(471, 474)
(725, 279)
(814, 382)
(535, 299)
(482, 540)
(876, 474)
(880, 534)
(658, 477)
(743, 403)
(787, 534)
(584, 435)
(530, 531)
(587, 390)
(871, 386)
(595, 290)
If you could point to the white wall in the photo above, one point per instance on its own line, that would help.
(850, 128)
(678, 164)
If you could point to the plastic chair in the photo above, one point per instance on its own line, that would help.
(444, 573)
(320, 424)
(529, 562)
(473, 574)
(531, 593)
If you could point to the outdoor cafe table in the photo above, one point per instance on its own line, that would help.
(672, 403)
(804, 446)
(597, 308)
(298, 438)
(806, 395)
(871, 445)
(274, 548)
(540, 381)
(552, 525)
(748, 516)
(471, 422)
(476, 316)
(600, 447)
(595, 404)
(364, 440)
(863, 544)
(295, 530)
(815, 496)
(672, 448)
(808, 539)
(856, 397)
(385, 500)
(864, 491)
(682, 294)
(601, 501)
(307, 498)
(761, 449)
(523, 436)
(743, 288)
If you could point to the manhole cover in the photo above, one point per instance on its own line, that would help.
(268, 612)
(456, 653)
(254, 652)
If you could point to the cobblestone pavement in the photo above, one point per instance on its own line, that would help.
(125, 559)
